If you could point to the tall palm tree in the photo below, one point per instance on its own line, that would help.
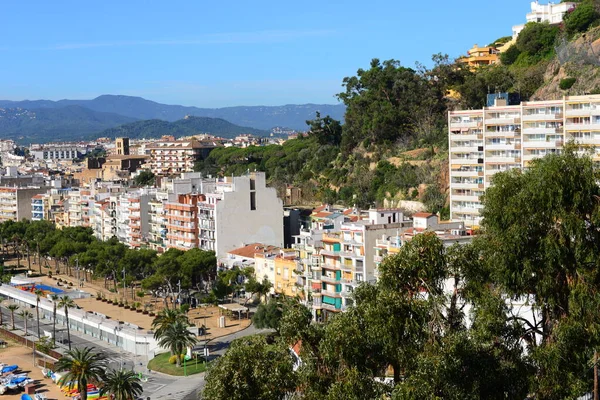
(123, 384)
(25, 314)
(66, 302)
(165, 318)
(177, 338)
(55, 300)
(12, 308)
(38, 296)
(84, 367)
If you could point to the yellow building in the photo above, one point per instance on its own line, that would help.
(285, 276)
(479, 56)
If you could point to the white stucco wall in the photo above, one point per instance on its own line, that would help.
(236, 224)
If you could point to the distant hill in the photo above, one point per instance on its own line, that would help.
(44, 124)
(259, 117)
(155, 128)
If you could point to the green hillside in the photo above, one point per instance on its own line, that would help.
(188, 126)
(66, 123)
(393, 143)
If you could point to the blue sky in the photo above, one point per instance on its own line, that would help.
(225, 53)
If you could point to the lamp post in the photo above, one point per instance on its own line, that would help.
(124, 294)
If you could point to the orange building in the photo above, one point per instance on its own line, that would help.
(478, 56)
(182, 221)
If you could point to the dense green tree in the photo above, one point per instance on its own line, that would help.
(176, 337)
(268, 315)
(326, 130)
(510, 56)
(65, 302)
(83, 366)
(383, 101)
(251, 369)
(165, 318)
(12, 308)
(542, 230)
(536, 41)
(144, 178)
(122, 384)
(581, 18)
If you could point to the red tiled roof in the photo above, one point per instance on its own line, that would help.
(322, 214)
(253, 248)
(320, 208)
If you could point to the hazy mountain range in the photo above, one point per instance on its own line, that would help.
(45, 120)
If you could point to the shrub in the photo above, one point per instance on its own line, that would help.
(537, 40)
(580, 19)
(510, 55)
(173, 359)
(567, 83)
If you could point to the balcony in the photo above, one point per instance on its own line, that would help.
(459, 173)
(542, 117)
(503, 121)
(539, 131)
(329, 279)
(330, 307)
(465, 161)
(465, 185)
(330, 293)
(503, 159)
(466, 124)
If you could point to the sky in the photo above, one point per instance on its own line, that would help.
(209, 53)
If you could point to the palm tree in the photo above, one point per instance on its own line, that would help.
(66, 302)
(165, 318)
(84, 367)
(55, 300)
(123, 384)
(38, 296)
(25, 314)
(177, 337)
(12, 308)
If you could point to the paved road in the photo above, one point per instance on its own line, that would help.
(116, 357)
(158, 386)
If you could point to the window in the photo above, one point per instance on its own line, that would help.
(252, 201)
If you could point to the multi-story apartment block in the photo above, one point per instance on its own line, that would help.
(174, 157)
(79, 205)
(182, 221)
(16, 202)
(157, 233)
(133, 218)
(348, 259)
(450, 233)
(57, 151)
(38, 207)
(499, 138)
(551, 13)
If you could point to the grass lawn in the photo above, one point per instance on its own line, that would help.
(160, 363)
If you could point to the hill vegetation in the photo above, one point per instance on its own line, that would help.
(258, 117)
(392, 110)
(67, 123)
(188, 126)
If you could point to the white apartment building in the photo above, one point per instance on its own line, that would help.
(499, 138)
(133, 218)
(174, 157)
(16, 202)
(551, 13)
